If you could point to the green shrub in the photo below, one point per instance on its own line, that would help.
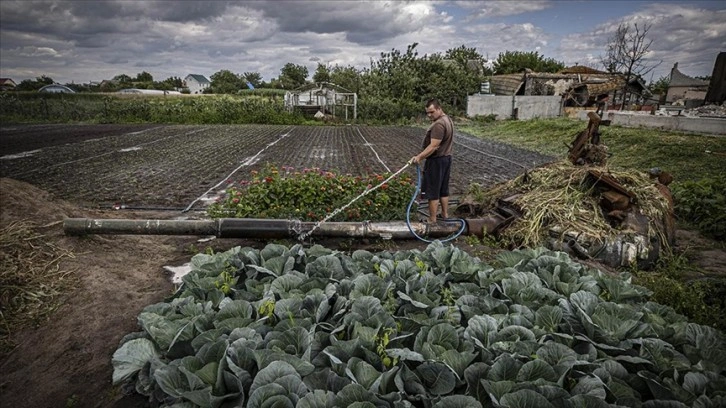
(702, 203)
(702, 301)
(312, 194)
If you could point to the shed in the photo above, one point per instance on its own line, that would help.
(324, 97)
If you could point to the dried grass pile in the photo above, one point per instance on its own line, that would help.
(31, 281)
(564, 198)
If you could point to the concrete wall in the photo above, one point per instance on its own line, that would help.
(487, 104)
(528, 107)
(712, 126)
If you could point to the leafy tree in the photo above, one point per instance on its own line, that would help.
(510, 62)
(254, 78)
(144, 77)
(226, 82)
(626, 54)
(34, 85)
(123, 79)
(347, 77)
(174, 82)
(322, 73)
(293, 76)
(660, 86)
(469, 59)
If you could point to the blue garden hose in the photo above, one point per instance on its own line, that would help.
(410, 205)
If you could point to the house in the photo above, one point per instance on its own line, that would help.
(56, 88)
(681, 87)
(196, 83)
(7, 84)
(579, 85)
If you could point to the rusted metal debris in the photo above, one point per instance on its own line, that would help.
(586, 148)
(642, 237)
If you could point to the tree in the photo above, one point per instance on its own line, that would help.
(254, 78)
(322, 73)
(226, 82)
(34, 85)
(293, 76)
(123, 79)
(659, 87)
(144, 77)
(469, 59)
(511, 62)
(347, 77)
(626, 54)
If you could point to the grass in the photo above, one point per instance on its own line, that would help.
(685, 156)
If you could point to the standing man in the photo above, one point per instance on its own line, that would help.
(437, 147)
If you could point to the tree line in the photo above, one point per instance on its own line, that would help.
(400, 80)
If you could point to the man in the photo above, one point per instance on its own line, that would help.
(437, 148)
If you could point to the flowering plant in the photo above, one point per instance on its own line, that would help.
(312, 194)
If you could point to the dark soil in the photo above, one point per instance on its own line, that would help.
(80, 171)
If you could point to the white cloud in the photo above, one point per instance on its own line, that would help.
(483, 9)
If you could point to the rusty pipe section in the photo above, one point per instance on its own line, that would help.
(264, 228)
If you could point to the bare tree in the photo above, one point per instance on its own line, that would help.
(626, 54)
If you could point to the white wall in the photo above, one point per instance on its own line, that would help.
(528, 107)
(712, 126)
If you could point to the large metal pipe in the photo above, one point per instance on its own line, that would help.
(260, 228)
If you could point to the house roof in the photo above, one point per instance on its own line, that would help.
(581, 69)
(507, 84)
(7, 82)
(199, 78)
(321, 85)
(680, 79)
(595, 82)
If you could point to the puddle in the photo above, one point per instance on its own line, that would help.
(178, 272)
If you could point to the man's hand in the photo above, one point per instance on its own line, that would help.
(414, 159)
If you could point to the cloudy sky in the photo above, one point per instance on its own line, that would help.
(92, 40)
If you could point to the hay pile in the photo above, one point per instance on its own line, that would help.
(31, 281)
(564, 198)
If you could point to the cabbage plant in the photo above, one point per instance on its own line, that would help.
(315, 328)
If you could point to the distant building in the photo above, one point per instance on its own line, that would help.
(196, 83)
(324, 98)
(7, 84)
(579, 85)
(56, 88)
(682, 87)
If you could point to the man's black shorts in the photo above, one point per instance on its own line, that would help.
(435, 182)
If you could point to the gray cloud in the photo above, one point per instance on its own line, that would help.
(365, 23)
(93, 40)
(483, 9)
(687, 35)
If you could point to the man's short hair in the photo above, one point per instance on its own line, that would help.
(433, 102)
